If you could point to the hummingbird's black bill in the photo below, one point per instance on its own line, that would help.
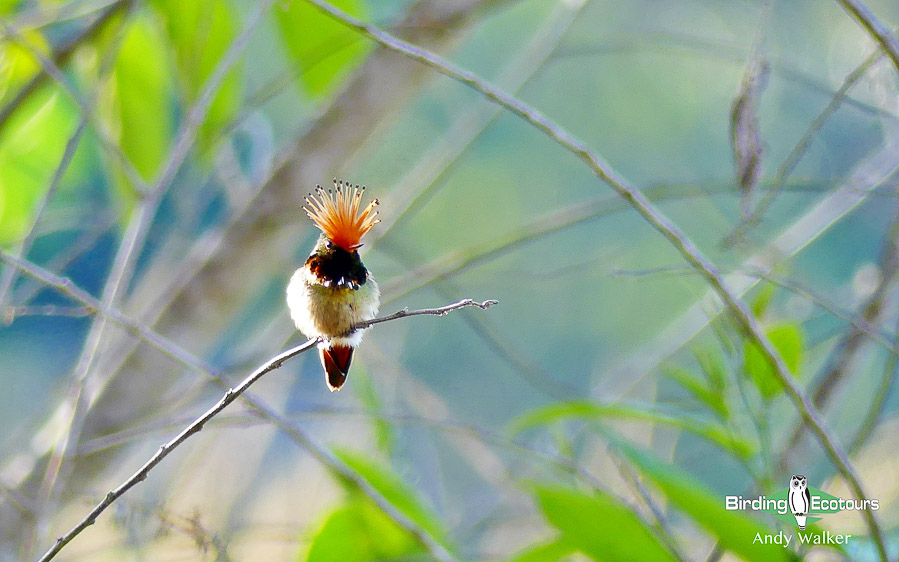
(336, 360)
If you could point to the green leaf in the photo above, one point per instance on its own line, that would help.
(201, 32)
(734, 530)
(599, 526)
(787, 339)
(17, 64)
(395, 491)
(358, 532)
(324, 50)
(590, 410)
(31, 146)
(141, 97)
(762, 299)
(713, 366)
(554, 550)
(697, 387)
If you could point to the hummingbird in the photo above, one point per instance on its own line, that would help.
(333, 291)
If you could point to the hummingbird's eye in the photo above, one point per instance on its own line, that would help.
(330, 245)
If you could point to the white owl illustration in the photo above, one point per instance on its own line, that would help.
(800, 499)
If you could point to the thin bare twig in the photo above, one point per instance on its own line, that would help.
(441, 311)
(171, 445)
(230, 396)
(654, 217)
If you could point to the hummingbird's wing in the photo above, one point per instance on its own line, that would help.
(336, 360)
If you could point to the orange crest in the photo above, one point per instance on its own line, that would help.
(337, 214)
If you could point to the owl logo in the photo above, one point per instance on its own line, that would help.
(800, 499)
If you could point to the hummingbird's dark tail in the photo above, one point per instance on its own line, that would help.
(336, 360)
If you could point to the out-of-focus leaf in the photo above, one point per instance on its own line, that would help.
(589, 410)
(141, 93)
(31, 146)
(734, 530)
(397, 492)
(713, 366)
(762, 299)
(359, 531)
(200, 32)
(7, 6)
(17, 64)
(787, 339)
(554, 550)
(324, 50)
(599, 526)
(698, 388)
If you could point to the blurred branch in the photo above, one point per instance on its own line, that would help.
(654, 217)
(61, 57)
(174, 351)
(46, 310)
(125, 261)
(8, 277)
(849, 346)
(420, 181)
(460, 261)
(660, 527)
(875, 27)
(875, 410)
(720, 50)
(420, 534)
(200, 294)
(858, 322)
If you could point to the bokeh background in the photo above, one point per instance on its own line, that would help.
(154, 155)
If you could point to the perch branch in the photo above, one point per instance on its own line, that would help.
(168, 447)
(654, 217)
(184, 357)
(439, 311)
(230, 396)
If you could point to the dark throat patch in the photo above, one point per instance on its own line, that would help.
(336, 267)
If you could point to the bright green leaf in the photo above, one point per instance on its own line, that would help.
(590, 410)
(31, 147)
(17, 64)
(323, 50)
(397, 492)
(762, 299)
(787, 339)
(359, 532)
(734, 530)
(599, 526)
(201, 32)
(142, 96)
